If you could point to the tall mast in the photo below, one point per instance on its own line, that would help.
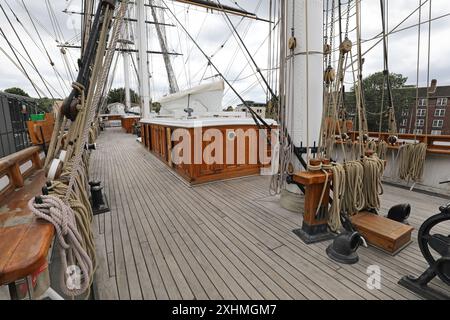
(143, 63)
(304, 74)
(160, 31)
(126, 64)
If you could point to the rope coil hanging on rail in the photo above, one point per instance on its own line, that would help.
(67, 205)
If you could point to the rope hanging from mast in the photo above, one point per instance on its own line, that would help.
(67, 204)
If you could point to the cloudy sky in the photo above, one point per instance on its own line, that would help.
(215, 37)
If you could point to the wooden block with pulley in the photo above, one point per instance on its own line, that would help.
(385, 234)
(315, 221)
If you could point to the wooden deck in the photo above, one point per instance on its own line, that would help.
(228, 240)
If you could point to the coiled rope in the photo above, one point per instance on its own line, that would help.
(354, 198)
(55, 211)
(411, 160)
(382, 150)
(68, 207)
(339, 189)
(373, 188)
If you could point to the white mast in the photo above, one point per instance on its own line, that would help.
(126, 64)
(304, 74)
(143, 63)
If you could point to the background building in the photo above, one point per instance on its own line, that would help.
(259, 108)
(437, 122)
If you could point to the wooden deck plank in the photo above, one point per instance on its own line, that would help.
(165, 244)
(139, 274)
(312, 249)
(168, 281)
(225, 239)
(169, 209)
(157, 221)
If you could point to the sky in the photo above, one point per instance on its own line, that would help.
(214, 36)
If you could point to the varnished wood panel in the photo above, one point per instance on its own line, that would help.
(129, 123)
(206, 171)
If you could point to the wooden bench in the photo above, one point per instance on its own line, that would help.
(385, 234)
(24, 240)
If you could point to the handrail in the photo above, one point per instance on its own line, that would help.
(10, 167)
(436, 144)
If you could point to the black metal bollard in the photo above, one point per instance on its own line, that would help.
(98, 203)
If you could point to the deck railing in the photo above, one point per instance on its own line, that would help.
(15, 168)
(437, 144)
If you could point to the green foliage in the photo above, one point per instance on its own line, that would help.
(117, 95)
(156, 107)
(229, 109)
(17, 91)
(45, 105)
(376, 98)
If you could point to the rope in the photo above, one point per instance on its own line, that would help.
(373, 172)
(321, 167)
(411, 160)
(372, 145)
(339, 189)
(354, 199)
(68, 206)
(55, 211)
(382, 150)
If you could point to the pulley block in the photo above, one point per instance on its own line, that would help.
(292, 43)
(329, 75)
(326, 49)
(346, 46)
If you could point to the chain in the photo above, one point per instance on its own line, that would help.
(331, 32)
(349, 2)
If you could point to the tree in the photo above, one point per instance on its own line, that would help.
(118, 96)
(156, 107)
(46, 104)
(229, 109)
(376, 98)
(17, 91)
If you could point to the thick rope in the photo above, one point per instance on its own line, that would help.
(382, 150)
(354, 198)
(55, 211)
(68, 207)
(411, 161)
(373, 188)
(339, 189)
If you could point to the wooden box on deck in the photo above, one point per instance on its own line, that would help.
(383, 233)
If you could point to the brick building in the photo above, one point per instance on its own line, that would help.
(413, 121)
